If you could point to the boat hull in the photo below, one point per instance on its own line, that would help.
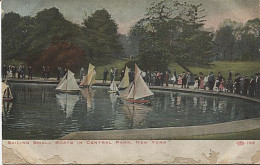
(138, 101)
(8, 99)
(70, 92)
(112, 91)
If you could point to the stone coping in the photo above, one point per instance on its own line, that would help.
(175, 88)
(166, 133)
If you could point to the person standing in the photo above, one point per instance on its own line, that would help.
(166, 78)
(184, 80)
(111, 74)
(175, 74)
(237, 84)
(122, 74)
(30, 72)
(148, 77)
(211, 81)
(220, 78)
(105, 73)
(201, 81)
(82, 73)
(19, 71)
(48, 71)
(115, 73)
(188, 80)
(58, 73)
(252, 85)
(43, 72)
(257, 85)
(4, 71)
(246, 85)
(13, 69)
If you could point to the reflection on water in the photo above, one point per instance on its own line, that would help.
(39, 112)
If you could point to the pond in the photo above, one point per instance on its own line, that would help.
(39, 112)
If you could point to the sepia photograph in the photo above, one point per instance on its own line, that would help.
(139, 76)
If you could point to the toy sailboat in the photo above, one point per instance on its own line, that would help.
(68, 83)
(138, 90)
(113, 87)
(6, 92)
(90, 78)
(125, 81)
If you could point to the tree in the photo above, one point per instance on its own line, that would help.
(101, 34)
(168, 32)
(224, 42)
(14, 31)
(49, 27)
(61, 54)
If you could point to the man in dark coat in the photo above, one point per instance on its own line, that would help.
(252, 84)
(237, 84)
(211, 81)
(30, 72)
(184, 80)
(246, 85)
(4, 71)
(257, 85)
(105, 73)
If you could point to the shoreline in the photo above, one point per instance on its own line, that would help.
(176, 88)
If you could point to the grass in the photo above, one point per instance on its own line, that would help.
(248, 68)
(116, 63)
(245, 135)
(244, 68)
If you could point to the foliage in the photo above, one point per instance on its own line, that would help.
(100, 31)
(237, 41)
(26, 37)
(172, 31)
(14, 29)
(61, 54)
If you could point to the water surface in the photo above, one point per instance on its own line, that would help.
(39, 112)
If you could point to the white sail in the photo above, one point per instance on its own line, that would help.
(140, 89)
(126, 91)
(68, 83)
(125, 81)
(5, 90)
(90, 77)
(113, 86)
(61, 82)
(131, 92)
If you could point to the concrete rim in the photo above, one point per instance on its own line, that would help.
(167, 132)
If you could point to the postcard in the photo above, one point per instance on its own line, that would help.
(130, 81)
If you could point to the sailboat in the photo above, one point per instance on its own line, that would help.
(6, 92)
(125, 81)
(90, 78)
(68, 83)
(138, 89)
(113, 87)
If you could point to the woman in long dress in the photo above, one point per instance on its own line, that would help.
(201, 81)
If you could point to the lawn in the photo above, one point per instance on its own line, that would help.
(244, 68)
(116, 63)
(245, 135)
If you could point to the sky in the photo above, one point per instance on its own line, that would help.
(127, 12)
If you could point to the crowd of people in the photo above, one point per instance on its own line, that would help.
(239, 84)
(243, 85)
(16, 71)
